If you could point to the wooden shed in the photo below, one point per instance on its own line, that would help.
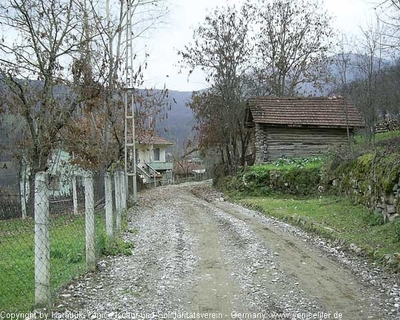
(299, 126)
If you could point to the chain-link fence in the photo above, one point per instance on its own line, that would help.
(61, 238)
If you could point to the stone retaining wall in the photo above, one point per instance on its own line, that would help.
(371, 180)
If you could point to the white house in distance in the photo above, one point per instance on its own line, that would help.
(152, 161)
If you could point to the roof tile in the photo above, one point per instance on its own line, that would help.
(301, 111)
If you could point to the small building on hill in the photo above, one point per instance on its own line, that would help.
(299, 126)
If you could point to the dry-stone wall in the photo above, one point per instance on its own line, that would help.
(372, 180)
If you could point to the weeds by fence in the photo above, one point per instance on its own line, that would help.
(9, 203)
(39, 255)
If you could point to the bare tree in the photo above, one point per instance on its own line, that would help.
(222, 49)
(111, 27)
(259, 48)
(293, 41)
(43, 40)
(371, 49)
(343, 63)
(59, 62)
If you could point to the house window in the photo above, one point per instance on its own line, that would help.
(156, 154)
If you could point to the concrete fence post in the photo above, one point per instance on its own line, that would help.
(109, 205)
(123, 191)
(74, 195)
(42, 242)
(117, 184)
(22, 189)
(89, 224)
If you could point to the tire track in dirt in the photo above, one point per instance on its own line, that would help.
(214, 289)
(335, 287)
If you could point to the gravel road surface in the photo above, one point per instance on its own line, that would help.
(197, 256)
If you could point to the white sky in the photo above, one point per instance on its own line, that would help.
(349, 16)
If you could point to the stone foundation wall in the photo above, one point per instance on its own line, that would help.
(371, 180)
(260, 144)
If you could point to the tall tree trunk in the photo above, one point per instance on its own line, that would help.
(30, 205)
(222, 155)
(228, 155)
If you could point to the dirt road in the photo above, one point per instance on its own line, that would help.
(201, 257)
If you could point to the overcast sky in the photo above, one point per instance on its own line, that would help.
(349, 16)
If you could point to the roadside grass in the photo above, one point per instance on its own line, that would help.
(67, 252)
(335, 218)
(379, 137)
(290, 163)
(330, 216)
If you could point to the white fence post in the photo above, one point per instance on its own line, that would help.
(123, 191)
(22, 189)
(117, 184)
(74, 195)
(42, 242)
(89, 224)
(109, 205)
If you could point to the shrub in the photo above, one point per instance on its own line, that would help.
(9, 204)
(397, 229)
(373, 219)
(289, 176)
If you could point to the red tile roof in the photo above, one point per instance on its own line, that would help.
(152, 139)
(329, 112)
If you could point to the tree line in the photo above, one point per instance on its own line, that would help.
(63, 74)
(284, 48)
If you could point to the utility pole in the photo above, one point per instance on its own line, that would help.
(130, 140)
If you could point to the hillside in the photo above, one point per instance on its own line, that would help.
(343, 65)
(178, 125)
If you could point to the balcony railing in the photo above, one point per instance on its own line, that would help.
(162, 165)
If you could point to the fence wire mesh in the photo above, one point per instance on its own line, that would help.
(44, 251)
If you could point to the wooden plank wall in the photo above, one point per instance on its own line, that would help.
(300, 142)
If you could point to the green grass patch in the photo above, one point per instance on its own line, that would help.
(16, 264)
(291, 163)
(67, 252)
(335, 218)
(299, 176)
(379, 137)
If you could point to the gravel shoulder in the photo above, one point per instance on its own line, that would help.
(199, 256)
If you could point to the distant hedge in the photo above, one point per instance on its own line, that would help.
(297, 177)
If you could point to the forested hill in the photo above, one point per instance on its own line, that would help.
(178, 125)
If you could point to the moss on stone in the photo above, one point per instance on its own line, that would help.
(369, 179)
(286, 179)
